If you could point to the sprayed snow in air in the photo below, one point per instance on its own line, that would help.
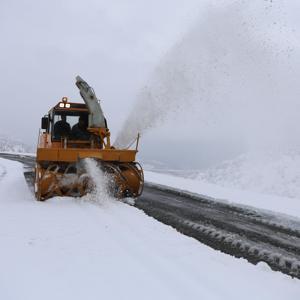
(234, 73)
(100, 192)
(233, 76)
(69, 249)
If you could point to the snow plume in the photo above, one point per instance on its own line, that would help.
(235, 73)
(100, 183)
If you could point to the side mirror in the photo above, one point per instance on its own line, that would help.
(45, 123)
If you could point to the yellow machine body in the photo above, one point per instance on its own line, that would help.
(59, 169)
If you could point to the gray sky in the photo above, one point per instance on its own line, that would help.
(113, 45)
(228, 70)
(229, 85)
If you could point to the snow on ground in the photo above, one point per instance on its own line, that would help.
(72, 249)
(279, 204)
(10, 145)
(19, 153)
(269, 172)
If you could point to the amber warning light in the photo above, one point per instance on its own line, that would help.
(64, 103)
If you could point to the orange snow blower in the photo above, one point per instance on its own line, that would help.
(72, 132)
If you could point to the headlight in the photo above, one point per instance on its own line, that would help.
(67, 105)
(61, 104)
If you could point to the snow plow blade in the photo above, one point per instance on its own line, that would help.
(124, 180)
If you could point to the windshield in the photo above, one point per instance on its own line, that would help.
(71, 126)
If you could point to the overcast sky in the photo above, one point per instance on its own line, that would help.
(235, 64)
(113, 45)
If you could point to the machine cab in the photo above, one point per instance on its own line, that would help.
(67, 123)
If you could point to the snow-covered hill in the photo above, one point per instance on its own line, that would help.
(274, 173)
(11, 145)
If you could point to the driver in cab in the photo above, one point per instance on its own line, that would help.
(62, 128)
(79, 130)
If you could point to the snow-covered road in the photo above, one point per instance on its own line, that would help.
(276, 204)
(73, 249)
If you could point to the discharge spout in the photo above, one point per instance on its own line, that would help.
(96, 116)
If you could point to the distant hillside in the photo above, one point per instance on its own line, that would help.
(10, 145)
(267, 172)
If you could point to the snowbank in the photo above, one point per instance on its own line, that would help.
(273, 173)
(284, 205)
(10, 145)
(72, 249)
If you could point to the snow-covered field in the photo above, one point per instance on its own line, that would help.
(269, 172)
(76, 249)
(7, 144)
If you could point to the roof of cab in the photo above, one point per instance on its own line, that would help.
(71, 106)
